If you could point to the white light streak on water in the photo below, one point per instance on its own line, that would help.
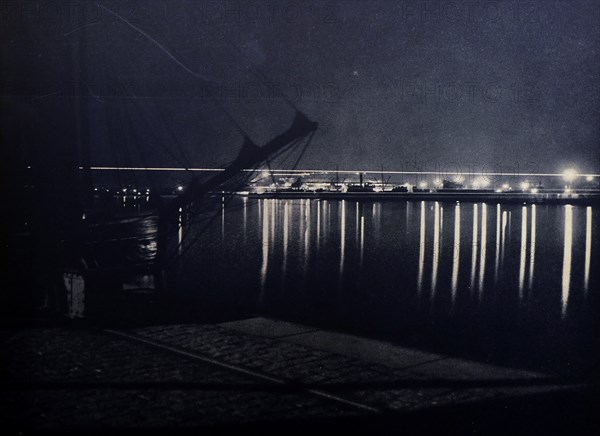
(532, 245)
(222, 218)
(357, 220)
(456, 253)
(342, 238)
(441, 225)
(588, 248)
(498, 230)
(318, 224)
(523, 253)
(265, 245)
(504, 223)
(245, 218)
(362, 239)
(436, 249)
(273, 209)
(286, 235)
(307, 218)
(475, 244)
(421, 248)
(567, 254)
(180, 231)
(483, 248)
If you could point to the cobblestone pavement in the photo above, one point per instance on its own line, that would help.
(376, 385)
(197, 375)
(55, 378)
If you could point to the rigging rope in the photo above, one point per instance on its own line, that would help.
(239, 128)
(244, 180)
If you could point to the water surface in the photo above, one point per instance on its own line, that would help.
(508, 284)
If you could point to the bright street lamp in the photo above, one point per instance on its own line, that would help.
(570, 174)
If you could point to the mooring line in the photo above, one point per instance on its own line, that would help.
(240, 370)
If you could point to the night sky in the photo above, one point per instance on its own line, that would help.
(406, 85)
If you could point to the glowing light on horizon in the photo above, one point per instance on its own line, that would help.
(570, 174)
(481, 182)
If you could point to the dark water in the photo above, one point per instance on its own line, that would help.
(509, 284)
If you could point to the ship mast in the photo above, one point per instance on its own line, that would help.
(250, 156)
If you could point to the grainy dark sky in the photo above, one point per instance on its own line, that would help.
(415, 84)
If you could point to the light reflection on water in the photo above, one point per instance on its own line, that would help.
(373, 264)
(523, 251)
(567, 258)
(421, 247)
(588, 247)
(456, 253)
(474, 244)
(315, 230)
(483, 251)
(532, 246)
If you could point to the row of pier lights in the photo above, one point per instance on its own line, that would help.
(424, 182)
(570, 176)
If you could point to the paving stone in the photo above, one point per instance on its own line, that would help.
(63, 378)
(68, 360)
(266, 327)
